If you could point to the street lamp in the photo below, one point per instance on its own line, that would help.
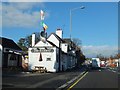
(81, 7)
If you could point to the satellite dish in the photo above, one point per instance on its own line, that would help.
(82, 7)
(43, 36)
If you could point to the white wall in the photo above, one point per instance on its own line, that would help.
(59, 32)
(1, 65)
(64, 47)
(33, 39)
(42, 44)
(49, 65)
(0, 55)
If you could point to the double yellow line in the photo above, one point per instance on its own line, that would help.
(77, 81)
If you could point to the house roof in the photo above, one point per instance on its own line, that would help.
(67, 40)
(8, 43)
(52, 43)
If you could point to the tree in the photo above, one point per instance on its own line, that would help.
(25, 43)
(28, 41)
(21, 44)
(102, 57)
(80, 57)
(77, 41)
(117, 56)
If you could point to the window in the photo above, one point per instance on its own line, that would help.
(12, 57)
(48, 59)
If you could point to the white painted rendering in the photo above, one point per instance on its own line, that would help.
(33, 39)
(59, 32)
(50, 55)
(42, 44)
(0, 55)
(52, 65)
(49, 65)
(64, 47)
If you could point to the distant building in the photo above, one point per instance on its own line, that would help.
(112, 62)
(10, 53)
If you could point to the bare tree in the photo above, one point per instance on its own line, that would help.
(77, 41)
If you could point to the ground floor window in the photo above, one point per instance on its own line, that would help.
(48, 59)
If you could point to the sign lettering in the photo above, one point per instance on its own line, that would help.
(35, 50)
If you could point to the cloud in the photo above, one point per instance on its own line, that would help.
(93, 51)
(21, 14)
(22, 0)
(60, 0)
(0, 19)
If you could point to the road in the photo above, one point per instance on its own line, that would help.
(72, 79)
(105, 78)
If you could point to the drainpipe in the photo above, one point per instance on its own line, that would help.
(59, 62)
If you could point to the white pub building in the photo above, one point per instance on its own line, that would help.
(53, 55)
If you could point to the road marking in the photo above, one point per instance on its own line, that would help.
(72, 80)
(113, 71)
(77, 81)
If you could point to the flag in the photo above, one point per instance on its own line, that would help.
(42, 16)
(44, 26)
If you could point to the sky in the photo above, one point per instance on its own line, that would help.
(96, 25)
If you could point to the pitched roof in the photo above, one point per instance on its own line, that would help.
(52, 43)
(8, 43)
(60, 39)
(70, 42)
(67, 40)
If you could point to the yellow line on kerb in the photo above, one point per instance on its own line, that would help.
(77, 81)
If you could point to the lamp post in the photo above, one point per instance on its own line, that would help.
(81, 7)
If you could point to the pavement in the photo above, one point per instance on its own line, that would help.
(39, 80)
(21, 74)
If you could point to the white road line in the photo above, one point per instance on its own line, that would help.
(77, 81)
(113, 71)
(72, 80)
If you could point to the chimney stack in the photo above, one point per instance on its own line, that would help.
(33, 39)
(59, 32)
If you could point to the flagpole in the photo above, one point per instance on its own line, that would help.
(43, 34)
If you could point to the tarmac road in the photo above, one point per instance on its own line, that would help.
(104, 78)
